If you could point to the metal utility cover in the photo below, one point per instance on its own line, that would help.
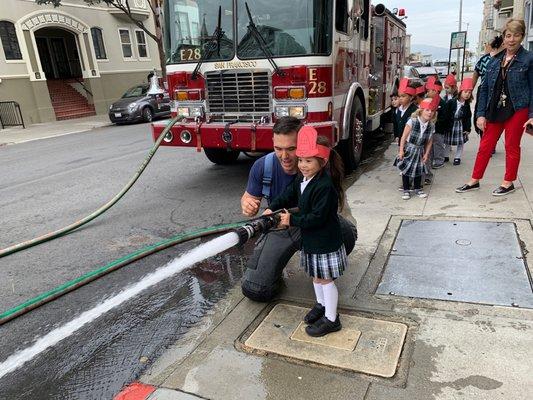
(469, 261)
(376, 351)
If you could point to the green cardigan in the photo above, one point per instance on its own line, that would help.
(317, 218)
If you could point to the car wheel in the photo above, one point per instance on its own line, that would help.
(147, 114)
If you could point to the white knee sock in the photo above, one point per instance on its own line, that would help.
(331, 297)
(319, 293)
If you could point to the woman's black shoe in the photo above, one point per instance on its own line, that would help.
(456, 161)
(323, 326)
(467, 188)
(315, 314)
(502, 191)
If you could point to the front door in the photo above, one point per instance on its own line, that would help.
(44, 55)
(58, 50)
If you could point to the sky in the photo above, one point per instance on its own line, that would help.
(431, 21)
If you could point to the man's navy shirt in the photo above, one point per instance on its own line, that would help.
(280, 179)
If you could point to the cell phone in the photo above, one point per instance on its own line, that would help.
(529, 129)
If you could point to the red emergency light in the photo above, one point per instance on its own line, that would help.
(401, 12)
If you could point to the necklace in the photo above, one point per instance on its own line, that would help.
(505, 65)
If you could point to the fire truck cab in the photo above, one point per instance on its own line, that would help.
(234, 67)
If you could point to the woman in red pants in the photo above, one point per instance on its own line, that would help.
(505, 103)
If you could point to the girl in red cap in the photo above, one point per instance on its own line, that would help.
(450, 86)
(458, 117)
(318, 193)
(406, 109)
(415, 146)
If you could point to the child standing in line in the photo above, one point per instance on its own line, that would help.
(458, 116)
(450, 86)
(434, 87)
(415, 146)
(406, 108)
(318, 193)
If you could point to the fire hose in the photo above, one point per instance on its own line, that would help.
(244, 229)
(67, 229)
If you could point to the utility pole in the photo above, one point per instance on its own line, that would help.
(457, 68)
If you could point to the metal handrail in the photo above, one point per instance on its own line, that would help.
(10, 114)
(83, 86)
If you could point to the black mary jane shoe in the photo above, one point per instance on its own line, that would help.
(502, 191)
(456, 161)
(315, 314)
(446, 159)
(467, 188)
(323, 326)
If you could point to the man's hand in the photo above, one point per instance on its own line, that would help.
(284, 219)
(250, 204)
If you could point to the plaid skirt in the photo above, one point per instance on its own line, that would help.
(324, 266)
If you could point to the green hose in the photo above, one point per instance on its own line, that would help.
(63, 231)
(69, 286)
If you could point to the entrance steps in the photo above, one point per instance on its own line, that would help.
(67, 102)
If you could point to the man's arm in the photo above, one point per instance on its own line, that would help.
(250, 204)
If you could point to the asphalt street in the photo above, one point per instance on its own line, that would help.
(47, 184)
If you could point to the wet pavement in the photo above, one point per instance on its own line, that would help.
(99, 359)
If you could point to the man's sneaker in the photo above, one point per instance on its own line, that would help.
(456, 161)
(502, 191)
(406, 195)
(420, 193)
(315, 314)
(323, 326)
(401, 189)
(467, 188)
(437, 166)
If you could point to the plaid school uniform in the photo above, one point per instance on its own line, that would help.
(412, 165)
(324, 266)
(455, 136)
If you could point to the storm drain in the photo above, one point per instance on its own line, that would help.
(365, 345)
(467, 261)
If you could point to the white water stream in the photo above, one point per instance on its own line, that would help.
(197, 254)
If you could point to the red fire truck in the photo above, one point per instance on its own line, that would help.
(234, 67)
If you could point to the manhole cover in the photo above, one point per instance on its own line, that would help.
(477, 262)
(371, 346)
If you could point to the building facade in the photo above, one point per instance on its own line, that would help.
(495, 14)
(73, 60)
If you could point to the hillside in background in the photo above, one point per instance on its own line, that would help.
(437, 53)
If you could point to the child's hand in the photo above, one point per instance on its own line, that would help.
(284, 219)
(268, 211)
(425, 159)
(401, 154)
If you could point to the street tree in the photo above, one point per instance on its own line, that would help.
(124, 6)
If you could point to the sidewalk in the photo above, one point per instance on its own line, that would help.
(17, 134)
(453, 349)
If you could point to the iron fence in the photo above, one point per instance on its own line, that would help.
(10, 114)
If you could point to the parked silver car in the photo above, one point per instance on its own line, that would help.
(135, 105)
(412, 74)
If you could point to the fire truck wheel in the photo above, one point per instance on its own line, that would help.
(222, 156)
(148, 115)
(352, 148)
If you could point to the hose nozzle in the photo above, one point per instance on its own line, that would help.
(259, 225)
